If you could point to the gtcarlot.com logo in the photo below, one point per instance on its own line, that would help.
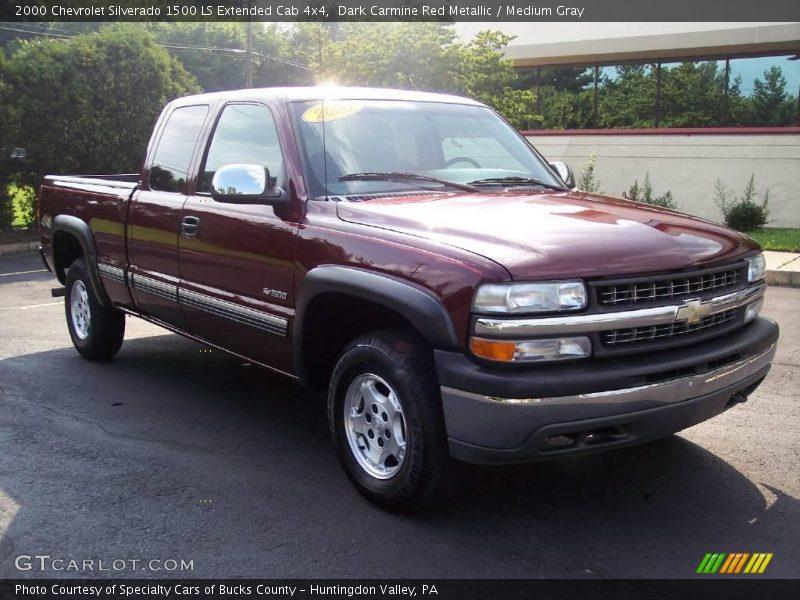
(734, 563)
(46, 562)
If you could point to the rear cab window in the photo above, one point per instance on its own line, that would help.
(173, 155)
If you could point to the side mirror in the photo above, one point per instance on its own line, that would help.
(564, 171)
(245, 184)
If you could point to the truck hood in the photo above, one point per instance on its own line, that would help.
(557, 234)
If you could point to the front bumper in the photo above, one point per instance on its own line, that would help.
(498, 416)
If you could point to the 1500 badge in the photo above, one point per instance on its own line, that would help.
(271, 293)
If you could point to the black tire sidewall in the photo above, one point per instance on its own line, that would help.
(412, 388)
(77, 272)
(107, 326)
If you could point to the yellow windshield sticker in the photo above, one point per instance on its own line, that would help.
(330, 111)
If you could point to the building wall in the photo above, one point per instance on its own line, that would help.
(687, 163)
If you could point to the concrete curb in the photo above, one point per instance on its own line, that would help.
(18, 247)
(783, 278)
(773, 277)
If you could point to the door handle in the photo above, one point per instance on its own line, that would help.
(190, 226)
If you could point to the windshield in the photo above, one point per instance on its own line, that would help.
(371, 139)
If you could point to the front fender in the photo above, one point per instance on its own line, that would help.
(420, 308)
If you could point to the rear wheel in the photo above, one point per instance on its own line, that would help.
(96, 331)
(385, 416)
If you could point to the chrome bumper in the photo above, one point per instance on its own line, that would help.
(665, 392)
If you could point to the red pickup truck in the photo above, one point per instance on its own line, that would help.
(414, 256)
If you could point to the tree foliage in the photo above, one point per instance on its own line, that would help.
(689, 94)
(216, 69)
(771, 105)
(8, 119)
(88, 104)
(418, 56)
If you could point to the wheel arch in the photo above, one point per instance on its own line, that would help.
(72, 238)
(361, 301)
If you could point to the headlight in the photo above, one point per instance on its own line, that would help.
(530, 297)
(757, 268)
(532, 350)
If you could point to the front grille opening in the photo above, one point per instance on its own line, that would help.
(653, 333)
(582, 439)
(654, 290)
(721, 362)
(671, 374)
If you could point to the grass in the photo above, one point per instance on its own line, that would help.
(786, 240)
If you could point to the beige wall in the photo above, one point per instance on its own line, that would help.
(688, 165)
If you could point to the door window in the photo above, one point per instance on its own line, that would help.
(245, 134)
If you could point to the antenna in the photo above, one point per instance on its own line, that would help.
(324, 150)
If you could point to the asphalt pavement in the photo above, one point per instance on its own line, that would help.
(171, 452)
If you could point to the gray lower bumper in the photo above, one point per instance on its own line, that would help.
(488, 429)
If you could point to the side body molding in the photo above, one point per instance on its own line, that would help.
(80, 229)
(417, 306)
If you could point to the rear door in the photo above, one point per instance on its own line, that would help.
(237, 262)
(154, 214)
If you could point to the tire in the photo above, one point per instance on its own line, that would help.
(385, 417)
(96, 332)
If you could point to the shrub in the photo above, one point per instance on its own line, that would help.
(6, 209)
(23, 201)
(745, 213)
(587, 180)
(645, 194)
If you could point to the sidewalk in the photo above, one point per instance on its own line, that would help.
(783, 268)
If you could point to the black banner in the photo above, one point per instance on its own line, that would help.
(733, 588)
(400, 10)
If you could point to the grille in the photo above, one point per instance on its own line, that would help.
(655, 290)
(654, 333)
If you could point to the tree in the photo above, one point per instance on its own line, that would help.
(8, 120)
(771, 105)
(629, 99)
(216, 69)
(87, 104)
(692, 95)
(418, 56)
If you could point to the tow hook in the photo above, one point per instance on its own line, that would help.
(737, 398)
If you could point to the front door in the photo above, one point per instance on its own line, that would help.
(236, 262)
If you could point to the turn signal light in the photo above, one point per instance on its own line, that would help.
(532, 350)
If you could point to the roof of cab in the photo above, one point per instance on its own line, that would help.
(294, 94)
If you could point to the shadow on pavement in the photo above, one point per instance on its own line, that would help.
(174, 449)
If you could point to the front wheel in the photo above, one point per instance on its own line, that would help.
(385, 416)
(96, 331)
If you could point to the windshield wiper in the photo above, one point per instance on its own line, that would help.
(400, 176)
(512, 181)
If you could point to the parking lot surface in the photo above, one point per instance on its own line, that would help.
(174, 452)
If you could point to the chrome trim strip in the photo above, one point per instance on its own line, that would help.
(661, 315)
(110, 272)
(665, 392)
(220, 308)
(234, 312)
(154, 287)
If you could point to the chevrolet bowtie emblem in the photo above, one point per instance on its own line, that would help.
(693, 311)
